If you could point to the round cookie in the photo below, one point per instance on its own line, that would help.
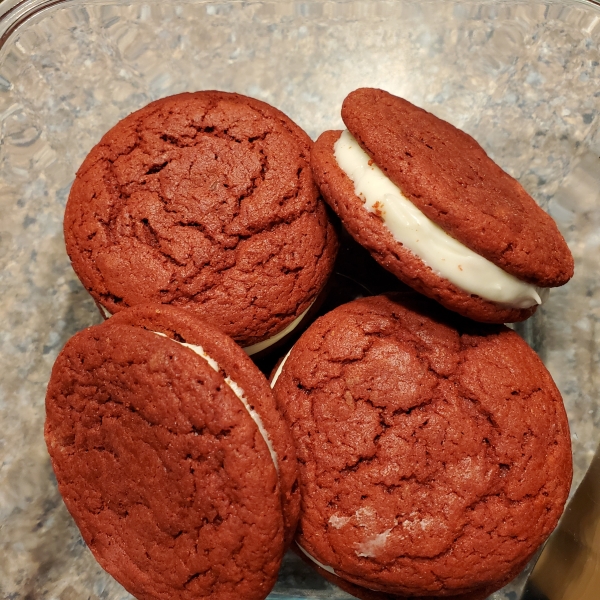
(434, 452)
(482, 215)
(204, 201)
(171, 457)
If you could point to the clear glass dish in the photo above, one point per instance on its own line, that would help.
(522, 77)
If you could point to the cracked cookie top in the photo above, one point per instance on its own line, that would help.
(434, 451)
(206, 201)
(166, 474)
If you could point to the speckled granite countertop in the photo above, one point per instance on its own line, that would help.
(520, 76)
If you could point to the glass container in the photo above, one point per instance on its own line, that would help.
(522, 77)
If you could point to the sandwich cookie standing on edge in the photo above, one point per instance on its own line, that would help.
(171, 457)
(434, 452)
(204, 201)
(431, 207)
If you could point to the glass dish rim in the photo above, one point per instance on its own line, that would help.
(15, 14)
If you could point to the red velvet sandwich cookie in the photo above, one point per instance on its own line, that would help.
(431, 207)
(204, 201)
(171, 457)
(434, 451)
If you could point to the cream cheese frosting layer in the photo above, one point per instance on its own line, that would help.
(320, 564)
(238, 391)
(446, 256)
(254, 348)
(280, 368)
(310, 557)
(106, 314)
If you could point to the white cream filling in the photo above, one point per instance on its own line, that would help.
(324, 567)
(104, 311)
(238, 391)
(279, 369)
(254, 348)
(446, 256)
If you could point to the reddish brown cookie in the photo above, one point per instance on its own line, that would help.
(204, 201)
(434, 452)
(171, 457)
(450, 179)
